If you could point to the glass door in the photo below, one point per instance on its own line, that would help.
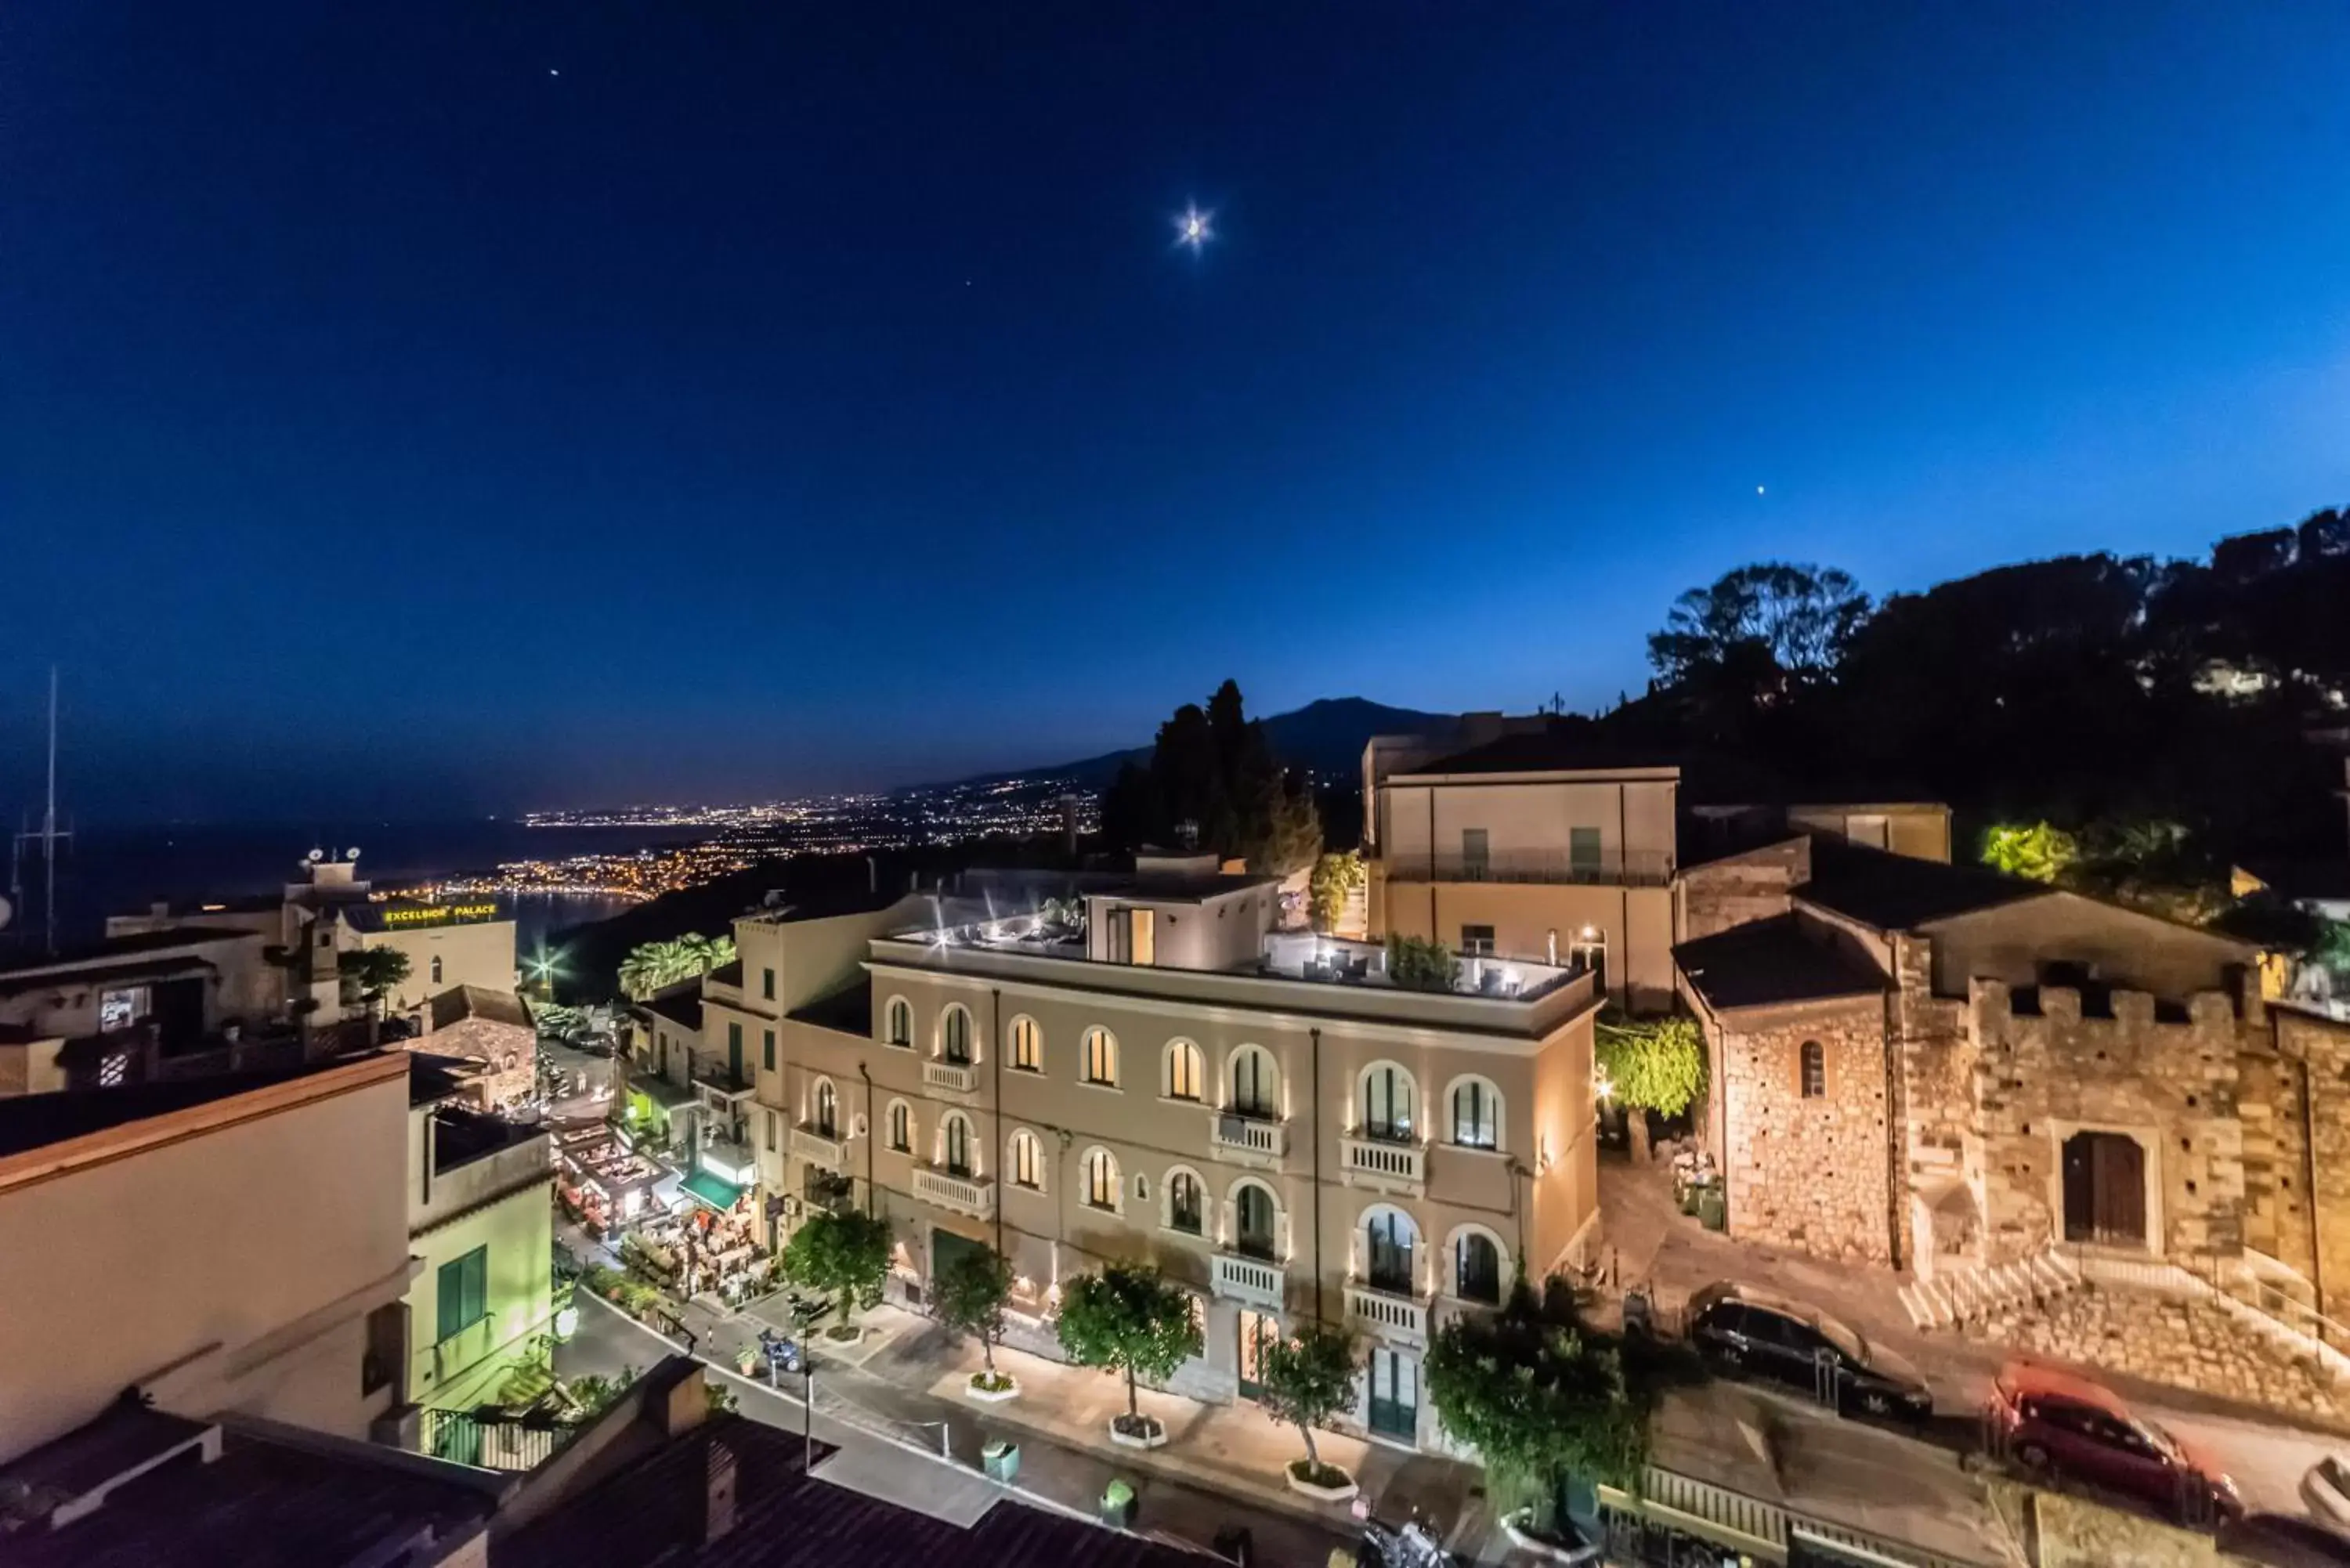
(1395, 1395)
(1258, 1330)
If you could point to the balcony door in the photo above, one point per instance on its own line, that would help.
(1391, 1239)
(1254, 1222)
(1134, 936)
(1395, 1395)
(1476, 855)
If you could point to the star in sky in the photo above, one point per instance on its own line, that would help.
(1195, 228)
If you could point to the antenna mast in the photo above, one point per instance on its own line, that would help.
(49, 834)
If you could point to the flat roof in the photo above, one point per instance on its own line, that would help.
(273, 1498)
(1547, 750)
(678, 1006)
(30, 1122)
(115, 949)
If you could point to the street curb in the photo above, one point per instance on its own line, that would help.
(733, 1377)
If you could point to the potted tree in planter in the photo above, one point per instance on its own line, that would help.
(1548, 1404)
(1306, 1380)
(968, 1295)
(845, 1253)
(1129, 1319)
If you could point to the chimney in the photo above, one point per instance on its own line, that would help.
(718, 1493)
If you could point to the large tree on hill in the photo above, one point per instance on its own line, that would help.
(1797, 616)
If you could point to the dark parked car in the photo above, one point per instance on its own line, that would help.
(2282, 1542)
(2055, 1424)
(1745, 1334)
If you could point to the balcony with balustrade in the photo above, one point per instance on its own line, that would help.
(962, 1194)
(1547, 867)
(1252, 1280)
(1383, 1164)
(819, 1145)
(1393, 1316)
(1239, 1138)
(955, 1077)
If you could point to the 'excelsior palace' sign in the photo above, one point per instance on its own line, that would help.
(438, 914)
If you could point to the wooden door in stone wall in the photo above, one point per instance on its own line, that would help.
(2105, 1190)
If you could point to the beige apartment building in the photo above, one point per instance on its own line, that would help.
(225, 1243)
(1266, 1115)
(1528, 846)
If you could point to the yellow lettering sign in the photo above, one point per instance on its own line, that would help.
(440, 914)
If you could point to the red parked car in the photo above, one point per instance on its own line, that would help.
(2055, 1423)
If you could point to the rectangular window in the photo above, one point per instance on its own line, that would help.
(1476, 855)
(1814, 1070)
(767, 983)
(767, 1049)
(771, 1132)
(1582, 856)
(1476, 941)
(464, 1293)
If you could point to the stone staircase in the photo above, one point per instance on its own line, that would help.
(1968, 1292)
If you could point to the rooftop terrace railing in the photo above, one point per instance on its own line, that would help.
(1612, 868)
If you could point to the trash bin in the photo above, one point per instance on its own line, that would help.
(1000, 1459)
(1711, 1211)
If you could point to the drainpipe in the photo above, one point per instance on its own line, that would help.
(2309, 1192)
(1314, 1186)
(996, 994)
(867, 1074)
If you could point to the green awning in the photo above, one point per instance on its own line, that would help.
(714, 1190)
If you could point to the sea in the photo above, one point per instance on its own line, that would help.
(105, 871)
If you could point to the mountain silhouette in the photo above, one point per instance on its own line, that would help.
(1327, 737)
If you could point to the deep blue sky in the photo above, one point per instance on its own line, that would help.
(772, 401)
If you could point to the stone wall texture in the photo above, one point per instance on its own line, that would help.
(2186, 1344)
(1741, 889)
(2171, 1085)
(1813, 1173)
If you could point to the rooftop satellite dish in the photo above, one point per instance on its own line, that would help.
(315, 856)
(8, 913)
(352, 853)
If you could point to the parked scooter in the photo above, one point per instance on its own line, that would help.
(1415, 1544)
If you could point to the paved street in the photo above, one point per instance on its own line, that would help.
(889, 1433)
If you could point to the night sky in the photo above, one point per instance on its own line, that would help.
(428, 407)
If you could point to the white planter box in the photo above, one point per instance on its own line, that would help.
(1320, 1494)
(972, 1390)
(1157, 1439)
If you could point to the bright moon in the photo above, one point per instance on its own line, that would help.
(1193, 228)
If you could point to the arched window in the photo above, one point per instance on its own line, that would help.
(1815, 1069)
(1183, 1070)
(901, 1022)
(901, 1127)
(1256, 1082)
(1101, 1056)
(954, 1143)
(1388, 1103)
(1028, 1045)
(1392, 1240)
(436, 969)
(827, 1116)
(1184, 1203)
(1257, 1220)
(1476, 1268)
(954, 1033)
(1100, 1190)
(1025, 1161)
(1476, 1114)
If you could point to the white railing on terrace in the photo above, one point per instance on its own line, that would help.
(1252, 1279)
(1252, 1138)
(969, 1195)
(1402, 1319)
(1379, 1162)
(1759, 1529)
(938, 1073)
(1628, 868)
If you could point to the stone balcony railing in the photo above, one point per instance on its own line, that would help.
(1396, 1318)
(818, 1148)
(1258, 1281)
(1247, 1140)
(971, 1195)
(957, 1077)
(1384, 1165)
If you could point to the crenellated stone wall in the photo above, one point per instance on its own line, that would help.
(2040, 1076)
(1811, 1173)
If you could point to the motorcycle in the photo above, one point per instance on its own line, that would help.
(1415, 1544)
